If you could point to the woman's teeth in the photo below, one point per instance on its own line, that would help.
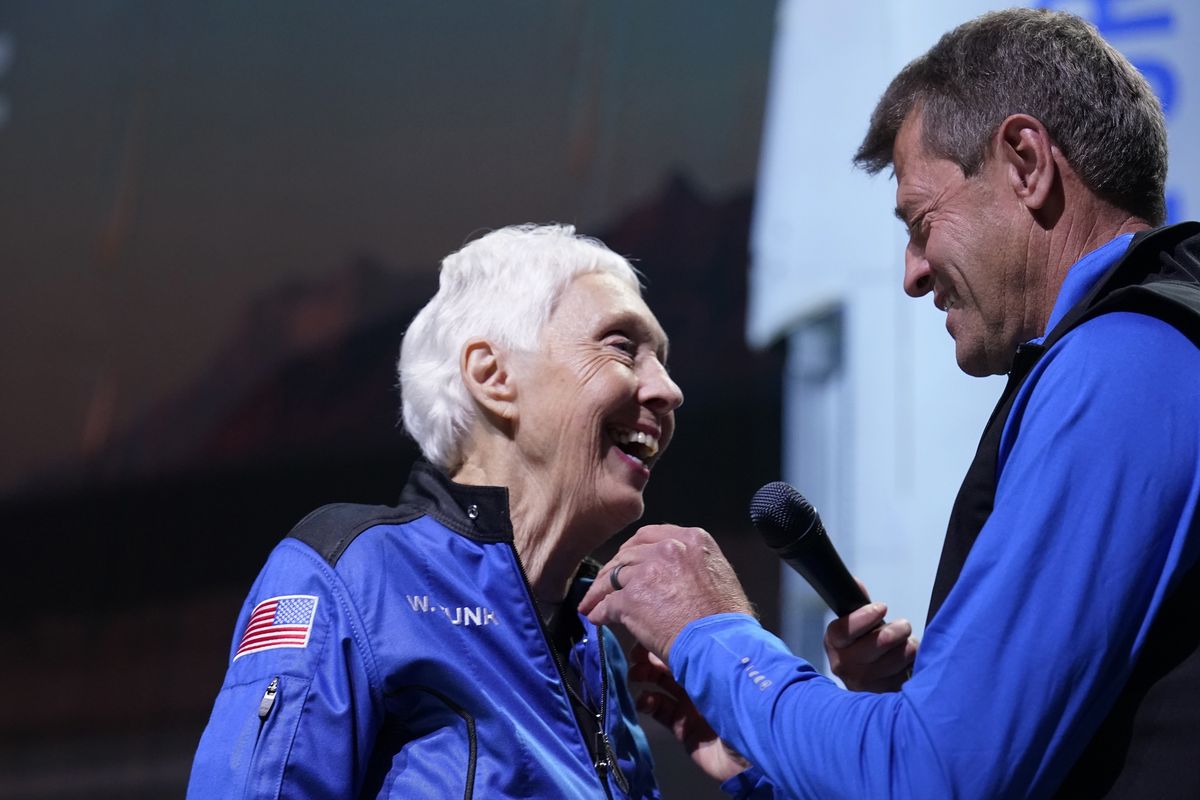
(638, 444)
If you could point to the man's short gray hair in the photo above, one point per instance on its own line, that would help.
(501, 287)
(1054, 66)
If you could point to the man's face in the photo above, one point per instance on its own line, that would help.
(967, 246)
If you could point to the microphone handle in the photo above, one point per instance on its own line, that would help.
(815, 558)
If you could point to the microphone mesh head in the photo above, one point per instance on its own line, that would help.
(780, 513)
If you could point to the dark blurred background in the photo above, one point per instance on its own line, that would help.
(217, 218)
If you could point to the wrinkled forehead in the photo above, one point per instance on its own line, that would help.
(598, 303)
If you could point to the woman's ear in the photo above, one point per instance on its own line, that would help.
(485, 373)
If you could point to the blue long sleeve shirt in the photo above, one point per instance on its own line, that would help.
(1094, 523)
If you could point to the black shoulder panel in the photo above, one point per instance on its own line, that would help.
(1175, 302)
(330, 529)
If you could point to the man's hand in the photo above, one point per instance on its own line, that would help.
(673, 709)
(867, 656)
(668, 576)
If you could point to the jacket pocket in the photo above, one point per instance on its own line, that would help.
(246, 744)
(275, 707)
(438, 738)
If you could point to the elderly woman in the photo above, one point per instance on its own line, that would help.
(433, 649)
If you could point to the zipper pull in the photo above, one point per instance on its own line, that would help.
(268, 701)
(606, 755)
(618, 775)
(606, 760)
(601, 751)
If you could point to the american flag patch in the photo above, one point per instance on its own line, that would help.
(279, 622)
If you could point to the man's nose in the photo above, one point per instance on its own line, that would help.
(918, 278)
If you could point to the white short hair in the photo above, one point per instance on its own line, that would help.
(501, 287)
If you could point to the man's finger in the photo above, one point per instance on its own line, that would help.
(649, 534)
(885, 675)
(894, 633)
(593, 600)
(603, 585)
(876, 644)
(844, 631)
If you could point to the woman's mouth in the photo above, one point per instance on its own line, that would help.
(638, 445)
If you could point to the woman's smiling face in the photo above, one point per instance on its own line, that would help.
(595, 405)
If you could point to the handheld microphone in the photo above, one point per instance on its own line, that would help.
(790, 526)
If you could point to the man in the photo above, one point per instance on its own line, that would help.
(1061, 657)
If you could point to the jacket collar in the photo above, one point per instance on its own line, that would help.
(477, 512)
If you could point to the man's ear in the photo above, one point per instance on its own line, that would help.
(485, 373)
(1026, 152)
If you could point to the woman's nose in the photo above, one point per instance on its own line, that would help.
(657, 391)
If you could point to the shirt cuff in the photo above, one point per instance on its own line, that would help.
(700, 627)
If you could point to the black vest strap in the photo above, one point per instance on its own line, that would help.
(973, 505)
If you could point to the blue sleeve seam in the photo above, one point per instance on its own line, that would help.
(350, 612)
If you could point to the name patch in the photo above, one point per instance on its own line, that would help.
(458, 615)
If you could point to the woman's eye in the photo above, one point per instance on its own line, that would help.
(627, 346)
